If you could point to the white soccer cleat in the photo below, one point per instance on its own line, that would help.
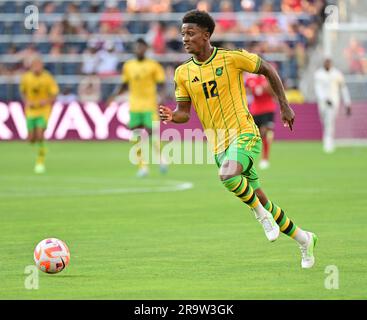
(142, 172)
(264, 164)
(308, 259)
(39, 168)
(270, 227)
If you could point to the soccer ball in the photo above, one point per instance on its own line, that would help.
(51, 255)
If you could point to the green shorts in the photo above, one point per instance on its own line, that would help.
(141, 119)
(245, 146)
(36, 122)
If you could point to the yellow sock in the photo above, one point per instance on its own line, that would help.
(41, 154)
(139, 155)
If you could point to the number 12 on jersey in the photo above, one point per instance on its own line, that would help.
(212, 87)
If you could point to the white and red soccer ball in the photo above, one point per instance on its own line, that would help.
(51, 255)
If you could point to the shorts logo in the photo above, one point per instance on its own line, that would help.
(219, 71)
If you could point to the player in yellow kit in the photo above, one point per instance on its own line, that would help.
(212, 81)
(38, 90)
(144, 78)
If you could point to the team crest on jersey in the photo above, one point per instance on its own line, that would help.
(219, 71)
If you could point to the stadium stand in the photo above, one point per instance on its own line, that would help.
(75, 36)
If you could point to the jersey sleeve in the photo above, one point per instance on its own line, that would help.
(22, 85)
(53, 87)
(246, 61)
(180, 90)
(159, 74)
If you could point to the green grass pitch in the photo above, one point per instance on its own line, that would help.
(200, 243)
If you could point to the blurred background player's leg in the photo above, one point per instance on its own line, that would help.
(155, 142)
(35, 126)
(41, 152)
(329, 129)
(136, 124)
(265, 124)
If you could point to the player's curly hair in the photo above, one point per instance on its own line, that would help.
(201, 18)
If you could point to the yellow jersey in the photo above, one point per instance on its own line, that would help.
(216, 90)
(36, 88)
(142, 77)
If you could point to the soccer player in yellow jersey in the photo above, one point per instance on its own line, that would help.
(144, 78)
(212, 81)
(38, 90)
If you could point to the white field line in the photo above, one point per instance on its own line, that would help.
(31, 191)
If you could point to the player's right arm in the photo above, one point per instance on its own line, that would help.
(118, 90)
(182, 112)
(180, 115)
(123, 86)
(22, 91)
(22, 85)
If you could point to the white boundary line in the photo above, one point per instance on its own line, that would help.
(351, 142)
(160, 186)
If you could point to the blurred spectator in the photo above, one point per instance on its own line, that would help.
(107, 60)
(137, 6)
(268, 22)
(227, 21)
(89, 89)
(111, 18)
(49, 8)
(26, 55)
(309, 31)
(94, 8)
(356, 57)
(248, 6)
(56, 49)
(160, 6)
(156, 37)
(90, 58)
(313, 7)
(204, 5)
(57, 33)
(293, 94)
(14, 67)
(41, 32)
(289, 6)
(173, 42)
(66, 95)
(73, 22)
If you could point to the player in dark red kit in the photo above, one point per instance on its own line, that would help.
(262, 108)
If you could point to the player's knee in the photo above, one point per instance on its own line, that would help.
(229, 169)
(263, 131)
(31, 138)
(39, 135)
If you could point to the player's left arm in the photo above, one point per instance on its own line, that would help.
(53, 91)
(160, 78)
(345, 95)
(276, 85)
(22, 91)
